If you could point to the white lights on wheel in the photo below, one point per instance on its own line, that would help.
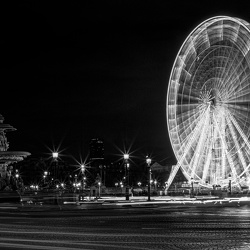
(208, 102)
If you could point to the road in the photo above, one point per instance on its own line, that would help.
(127, 228)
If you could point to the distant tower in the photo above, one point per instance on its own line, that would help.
(96, 155)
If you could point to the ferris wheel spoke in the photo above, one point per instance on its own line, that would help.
(232, 68)
(228, 155)
(189, 116)
(223, 146)
(188, 98)
(240, 82)
(184, 152)
(185, 130)
(235, 70)
(184, 111)
(207, 164)
(236, 125)
(238, 108)
(187, 143)
(241, 115)
(238, 87)
(242, 89)
(226, 59)
(242, 96)
(189, 122)
(186, 89)
(201, 143)
(238, 148)
(186, 126)
(218, 140)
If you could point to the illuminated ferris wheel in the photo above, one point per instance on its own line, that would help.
(208, 103)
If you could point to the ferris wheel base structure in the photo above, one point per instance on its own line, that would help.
(208, 104)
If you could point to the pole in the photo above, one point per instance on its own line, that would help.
(148, 161)
(192, 188)
(99, 184)
(126, 165)
(127, 180)
(230, 184)
(149, 182)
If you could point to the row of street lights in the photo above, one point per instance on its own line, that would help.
(126, 161)
(148, 161)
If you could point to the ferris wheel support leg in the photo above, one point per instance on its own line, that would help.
(173, 173)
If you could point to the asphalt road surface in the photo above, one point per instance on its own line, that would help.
(128, 228)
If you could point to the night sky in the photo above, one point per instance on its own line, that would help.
(76, 70)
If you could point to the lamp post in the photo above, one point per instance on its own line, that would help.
(148, 161)
(55, 156)
(99, 185)
(166, 188)
(230, 184)
(45, 174)
(155, 182)
(192, 188)
(83, 176)
(126, 157)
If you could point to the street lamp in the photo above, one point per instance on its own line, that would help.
(83, 176)
(166, 188)
(192, 188)
(148, 161)
(44, 176)
(99, 185)
(55, 156)
(230, 184)
(128, 165)
(155, 182)
(126, 157)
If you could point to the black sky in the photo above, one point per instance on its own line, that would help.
(76, 70)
